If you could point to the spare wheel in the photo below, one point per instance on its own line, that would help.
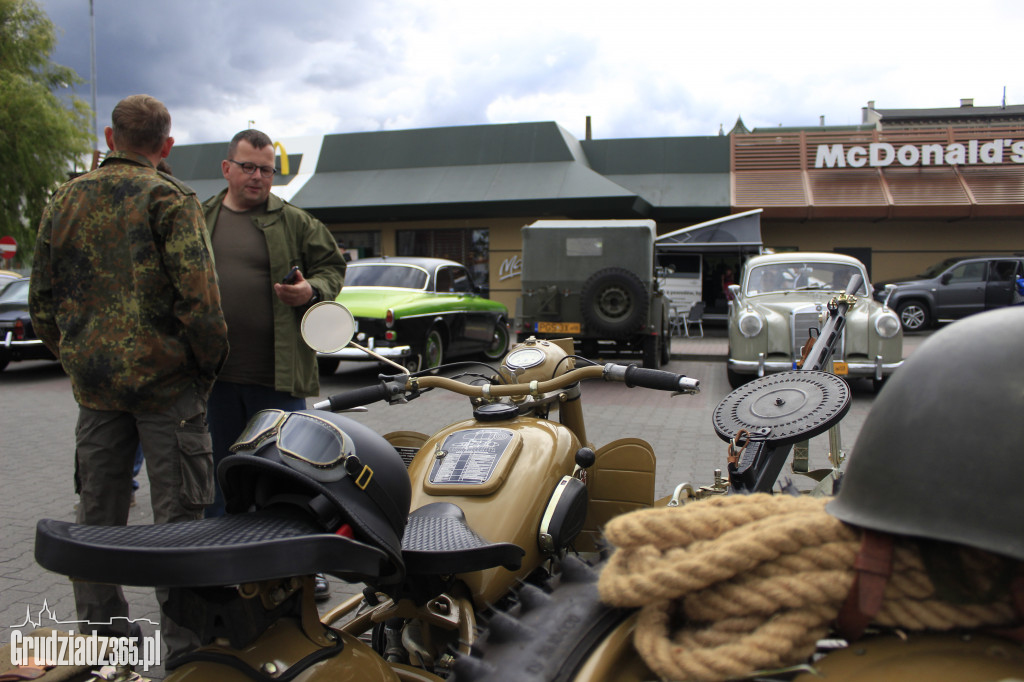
(613, 303)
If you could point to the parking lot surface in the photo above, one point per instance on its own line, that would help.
(38, 413)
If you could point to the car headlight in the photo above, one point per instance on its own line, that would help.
(750, 324)
(887, 325)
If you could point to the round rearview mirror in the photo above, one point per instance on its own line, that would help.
(328, 326)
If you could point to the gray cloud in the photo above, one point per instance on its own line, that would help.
(649, 69)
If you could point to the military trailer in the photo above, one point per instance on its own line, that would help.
(594, 281)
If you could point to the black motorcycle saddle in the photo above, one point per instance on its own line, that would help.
(438, 541)
(271, 543)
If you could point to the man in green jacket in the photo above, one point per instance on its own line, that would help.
(125, 294)
(258, 239)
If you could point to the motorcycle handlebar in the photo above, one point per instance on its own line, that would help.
(355, 398)
(656, 379)
(630, 374)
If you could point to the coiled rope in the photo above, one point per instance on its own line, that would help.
(735, 584)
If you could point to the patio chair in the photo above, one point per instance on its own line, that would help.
(694, 317)
(676, 321)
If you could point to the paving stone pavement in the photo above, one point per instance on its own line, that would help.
(38, 413)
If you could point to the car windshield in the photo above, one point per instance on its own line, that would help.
(385, 275)
(939, 268)
(800, 276)
(15, 292)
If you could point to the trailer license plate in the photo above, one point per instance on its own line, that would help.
(558, 327)
(840, 368)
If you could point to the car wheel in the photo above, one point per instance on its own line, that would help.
(652, 352)
(327, 366)
(613, 303)
(914, 316)
(499, 342)
(736, 380)
(433, 349)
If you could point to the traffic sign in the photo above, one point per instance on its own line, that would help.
(8, 247)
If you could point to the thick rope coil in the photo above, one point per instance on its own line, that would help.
(731, 585)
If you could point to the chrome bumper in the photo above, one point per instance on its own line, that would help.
(761, 366)
(350, 353)
(9, 342)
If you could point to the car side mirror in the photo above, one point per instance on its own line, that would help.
(946, 277)
(734, 289)
(890, 289)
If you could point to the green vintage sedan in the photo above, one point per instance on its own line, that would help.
(779, 303)
(418, 312)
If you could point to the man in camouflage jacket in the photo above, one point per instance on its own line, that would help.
(124, 293)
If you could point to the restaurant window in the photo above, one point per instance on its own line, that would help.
(471, 247)
(357, 245)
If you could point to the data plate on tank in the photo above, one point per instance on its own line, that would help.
(472, 457)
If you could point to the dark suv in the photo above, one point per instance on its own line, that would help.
(953, 288)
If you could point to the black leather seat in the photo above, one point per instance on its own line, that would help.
(276, 542)
(271, 543)
(437, 541)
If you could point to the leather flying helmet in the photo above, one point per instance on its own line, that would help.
(338, 470)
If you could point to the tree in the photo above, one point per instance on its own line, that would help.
(42, 135)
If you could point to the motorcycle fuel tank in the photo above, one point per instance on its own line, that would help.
(501, 474)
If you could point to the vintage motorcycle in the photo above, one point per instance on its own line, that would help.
(486, 513)
(479, 545)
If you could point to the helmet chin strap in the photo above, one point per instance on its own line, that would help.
(872, 567)
(1017, 595)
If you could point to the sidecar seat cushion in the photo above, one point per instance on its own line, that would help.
(271, 543)
(438, 541)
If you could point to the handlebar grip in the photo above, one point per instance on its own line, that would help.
(355, 398)
(660, 380)
(854, 284)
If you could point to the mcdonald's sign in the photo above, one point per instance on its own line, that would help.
(284, 157)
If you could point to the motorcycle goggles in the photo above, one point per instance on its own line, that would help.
(308, 444)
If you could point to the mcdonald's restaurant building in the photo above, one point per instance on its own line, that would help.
(903, 190)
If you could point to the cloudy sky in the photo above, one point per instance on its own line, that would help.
(647, 68)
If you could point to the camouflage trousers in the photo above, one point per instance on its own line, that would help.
(179, 462)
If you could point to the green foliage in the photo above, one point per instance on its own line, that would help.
(42, 135)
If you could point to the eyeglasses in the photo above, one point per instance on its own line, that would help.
(249, 168)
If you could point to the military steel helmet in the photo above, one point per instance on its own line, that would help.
(940, 453)
(336, 469)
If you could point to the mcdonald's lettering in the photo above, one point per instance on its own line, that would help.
(881, 154)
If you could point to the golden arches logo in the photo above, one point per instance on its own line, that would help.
(284, 157)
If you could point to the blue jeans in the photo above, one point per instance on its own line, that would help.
(229, 409)
(137, 467)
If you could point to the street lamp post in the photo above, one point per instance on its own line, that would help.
(92, 73)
